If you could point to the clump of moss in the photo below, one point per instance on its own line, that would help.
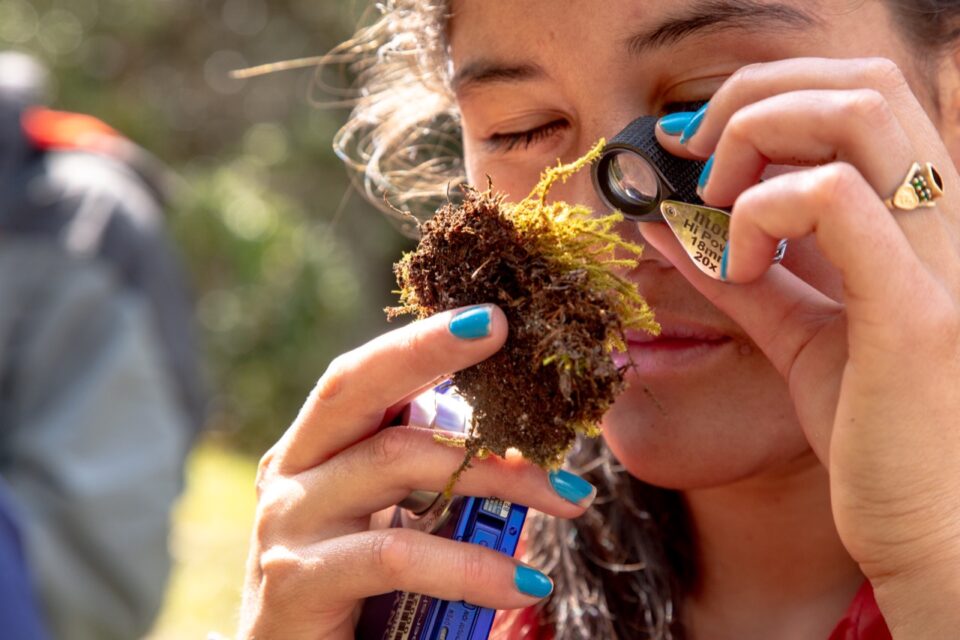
(551, 267)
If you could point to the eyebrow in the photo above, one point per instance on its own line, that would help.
(720, 15)
(483, 72)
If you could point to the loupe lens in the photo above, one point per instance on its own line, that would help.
(633, 180)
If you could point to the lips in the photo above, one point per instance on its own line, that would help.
(683, 348)
(676, 331)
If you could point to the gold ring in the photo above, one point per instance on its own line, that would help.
(921, 188)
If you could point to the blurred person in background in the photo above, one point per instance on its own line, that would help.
(100, 396)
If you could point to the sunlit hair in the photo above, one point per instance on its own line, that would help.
(402, 143)
(620, 570)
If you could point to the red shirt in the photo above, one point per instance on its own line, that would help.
(862, 621)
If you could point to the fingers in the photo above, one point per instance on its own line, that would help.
(343, 570)
(350, 400)
(384, 469)
(853, 229)
(835, 203)
(757, 82)
(375, 562)
(809, 128)
(855, 232)
(819, 127)
(809, 112)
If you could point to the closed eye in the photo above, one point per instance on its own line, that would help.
(675, 107)
(513, 140)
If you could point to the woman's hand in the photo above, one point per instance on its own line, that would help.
(316, 551)
(874, 376)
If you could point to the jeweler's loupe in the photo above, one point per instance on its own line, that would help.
(631, 176)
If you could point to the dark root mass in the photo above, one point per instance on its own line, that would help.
(549, 267)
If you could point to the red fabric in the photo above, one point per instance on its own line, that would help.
(48, 129)
(863, 621)
(518, 625)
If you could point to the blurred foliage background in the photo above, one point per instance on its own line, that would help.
(289, 266)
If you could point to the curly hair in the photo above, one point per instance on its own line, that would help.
(402, 143)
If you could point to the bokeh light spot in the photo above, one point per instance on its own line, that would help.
(267, 142)
(245, 17)
(216, 71)
(60, 32)
(18, 21)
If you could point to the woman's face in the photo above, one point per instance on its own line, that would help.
(545, 79)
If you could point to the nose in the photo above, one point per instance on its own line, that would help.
(650, 258)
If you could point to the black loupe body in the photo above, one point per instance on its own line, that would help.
(634, 175)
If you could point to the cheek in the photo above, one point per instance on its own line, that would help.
(513, 178)
(470, 160)
(707, 431)
(518, 181)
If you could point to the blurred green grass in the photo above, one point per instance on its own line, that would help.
(211, 530)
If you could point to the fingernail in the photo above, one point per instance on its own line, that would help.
(532, 582)
(572, 488)
(691, 129)
(471, 324)
(724, 261)
(673, 124)
(704, 176)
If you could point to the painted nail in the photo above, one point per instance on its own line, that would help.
(673, 124)
(531, 582)
(471, 324)
(705, 176)
(724, 262)
(691, 129)
(572, 488)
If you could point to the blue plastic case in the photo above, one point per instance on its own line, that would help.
(490, 522)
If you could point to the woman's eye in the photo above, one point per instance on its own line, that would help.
(677, 107)
(524, 139)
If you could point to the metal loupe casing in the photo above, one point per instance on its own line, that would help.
(631, 174)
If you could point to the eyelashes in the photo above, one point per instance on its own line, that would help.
(522, 140)
(676, 107)
(515, 140)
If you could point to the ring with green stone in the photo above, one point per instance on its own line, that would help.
(921, 188)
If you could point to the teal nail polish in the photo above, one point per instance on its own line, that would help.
(705, 175)
(673, 124)
(471, 324)
(570, 487)
(724, 261)
(532, 582)
(691, 129)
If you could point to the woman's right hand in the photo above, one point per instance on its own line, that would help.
(317, 550)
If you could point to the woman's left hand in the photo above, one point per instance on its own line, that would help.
(875, 377)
